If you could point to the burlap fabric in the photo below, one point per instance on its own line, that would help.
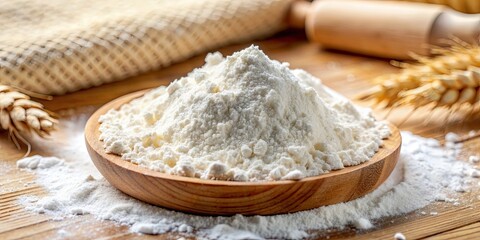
(59, 46)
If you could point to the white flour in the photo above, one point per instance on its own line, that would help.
(426, 173)
(399, 236)
(243, 118)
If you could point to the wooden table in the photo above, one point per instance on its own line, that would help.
(348, 74)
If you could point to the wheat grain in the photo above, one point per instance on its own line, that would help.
(457, 88)
(21, 116)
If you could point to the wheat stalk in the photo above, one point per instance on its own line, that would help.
(21, 116)
(450, 80)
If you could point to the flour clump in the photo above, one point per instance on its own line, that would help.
(243, 118)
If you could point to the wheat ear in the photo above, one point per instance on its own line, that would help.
(450, 80)
(21, 116)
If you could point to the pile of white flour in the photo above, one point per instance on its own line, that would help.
(243, 118)
(425, 173)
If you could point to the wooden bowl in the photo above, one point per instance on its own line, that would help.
(227, 197)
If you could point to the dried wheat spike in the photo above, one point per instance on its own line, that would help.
(451, 79)
(388, 89)
(21, 116)
(456, 89)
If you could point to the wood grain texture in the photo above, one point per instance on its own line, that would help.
(227, 197)
(345, 73)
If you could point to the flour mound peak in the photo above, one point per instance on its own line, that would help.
(244, 118)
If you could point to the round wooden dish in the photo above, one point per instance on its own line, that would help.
(226, 197)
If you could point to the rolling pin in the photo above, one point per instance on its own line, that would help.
(386, 29)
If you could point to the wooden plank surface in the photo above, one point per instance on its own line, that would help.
(347, 74)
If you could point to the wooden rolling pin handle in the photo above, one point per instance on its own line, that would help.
(382, 28)
(452, 23)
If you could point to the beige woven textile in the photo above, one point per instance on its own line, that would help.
(59, 46)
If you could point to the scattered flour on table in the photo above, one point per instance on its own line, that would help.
(425, 173)
(243, 118)
(451, 137)
(474, 159)
(399, 236)
(38, 162)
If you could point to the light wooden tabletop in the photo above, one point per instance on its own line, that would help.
(345, 73)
